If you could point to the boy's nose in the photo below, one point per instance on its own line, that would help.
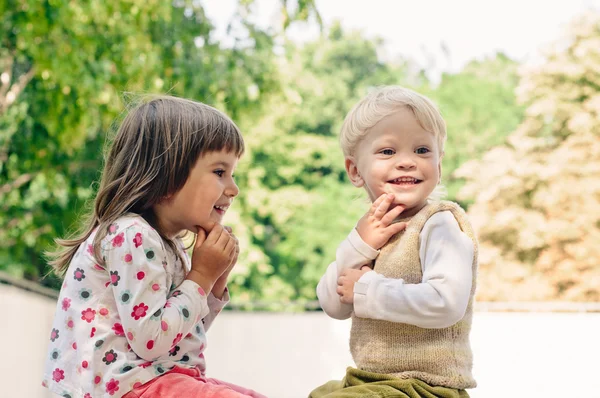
(405, 163)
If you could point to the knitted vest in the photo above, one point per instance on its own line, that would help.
(440, 357)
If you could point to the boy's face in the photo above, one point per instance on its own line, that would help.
(397, 156)
(205, 196)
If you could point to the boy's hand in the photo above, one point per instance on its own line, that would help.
(212, 256)
(346, 282)
(376, 227)
(220, 285)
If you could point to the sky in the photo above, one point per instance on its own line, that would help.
(417, 30)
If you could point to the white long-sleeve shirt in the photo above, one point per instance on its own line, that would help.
(439, 301)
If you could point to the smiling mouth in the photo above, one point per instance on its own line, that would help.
(221, 209)
(405, 181)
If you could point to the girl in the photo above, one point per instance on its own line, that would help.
(133, 309)
(406, 274)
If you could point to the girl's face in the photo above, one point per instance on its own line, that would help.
(397, 156)
(204, 198)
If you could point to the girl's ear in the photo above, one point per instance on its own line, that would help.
(353, 174)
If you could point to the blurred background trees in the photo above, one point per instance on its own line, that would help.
(527, 164)
(537, 198)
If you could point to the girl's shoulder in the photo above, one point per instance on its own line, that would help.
(128, 224)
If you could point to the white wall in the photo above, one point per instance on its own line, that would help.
(522, 355)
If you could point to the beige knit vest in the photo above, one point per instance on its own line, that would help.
(440, 357)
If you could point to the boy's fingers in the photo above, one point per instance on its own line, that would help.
(227, 228)
(376, 203)
(391, 215)
(395, 228)
(384, 205)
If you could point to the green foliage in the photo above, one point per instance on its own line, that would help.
(480, 107)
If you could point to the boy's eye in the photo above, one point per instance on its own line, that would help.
(422, 151)
(387, 152)
(219, 172)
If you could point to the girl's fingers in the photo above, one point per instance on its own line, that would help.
(215, 234)
(384, 205)
(200, 237)
(391, 215)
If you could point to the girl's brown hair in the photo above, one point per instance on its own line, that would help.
(151, 157)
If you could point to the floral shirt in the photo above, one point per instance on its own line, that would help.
(128, 321)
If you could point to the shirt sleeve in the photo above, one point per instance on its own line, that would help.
(154, 321)
(441, 299)
(214, 308)
(353, 252)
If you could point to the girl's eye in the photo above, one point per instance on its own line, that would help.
(387, 152)
(219, 172)
(422, 151)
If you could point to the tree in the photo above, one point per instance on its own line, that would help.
(480, 107)
(298, 202)
(537, 199)
(64, 67)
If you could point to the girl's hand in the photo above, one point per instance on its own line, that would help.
(220, 285)
(375, 227)
(346, 282)
(212, 256)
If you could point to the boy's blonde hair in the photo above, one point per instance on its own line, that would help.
(385, 101)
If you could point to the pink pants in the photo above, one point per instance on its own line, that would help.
(182, 382)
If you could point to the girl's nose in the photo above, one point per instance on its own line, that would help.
(232, 190)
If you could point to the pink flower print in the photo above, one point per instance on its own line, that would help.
(140, 275)
(118, 240)
(128, 258)
(84, 364)
(79, 274)
(69, 323)
(66, 303)
(114, 278)
(87, 395)
(150, 344)
(145, 365)
(112, 229)
(104, 311)
(92, 332)
(177, 339)
(58, 375)
(90, 249)
(137, 240)
(88, 315)
(53, 335)
(118, 329)
(164, 326)
(139, 311)
(176, 293)
(97, 379)
(109, 357)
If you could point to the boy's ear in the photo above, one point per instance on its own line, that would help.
(440, 167)
(353, 174)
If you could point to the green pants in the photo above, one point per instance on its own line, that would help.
(358, 383)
